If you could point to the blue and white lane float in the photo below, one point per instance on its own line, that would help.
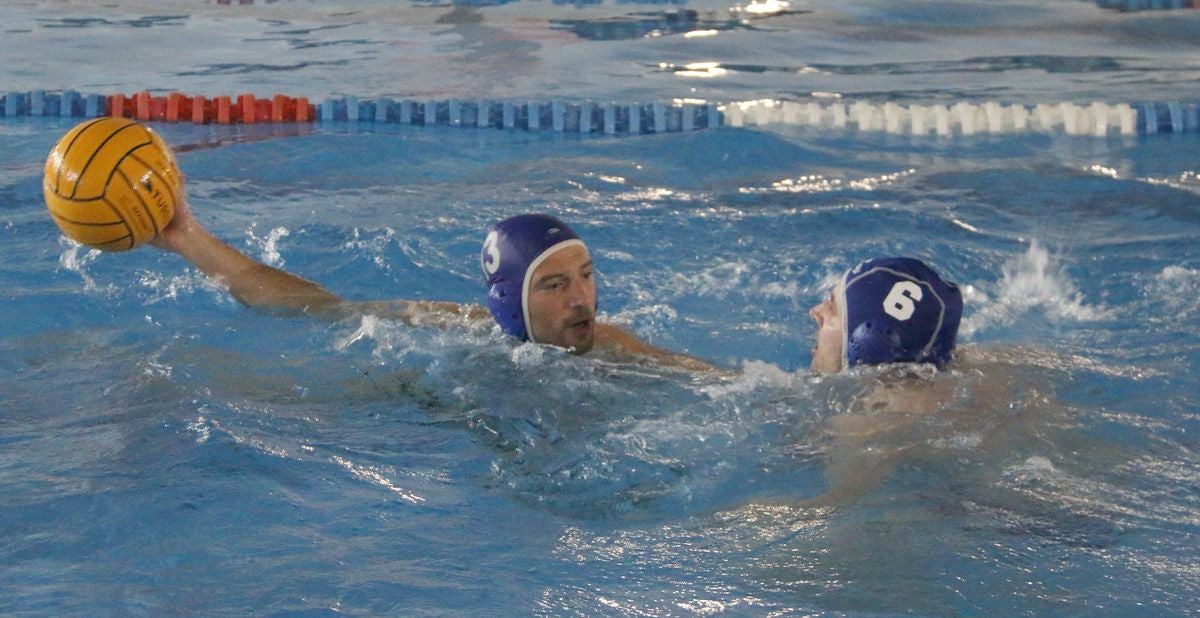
(582, 117)
(1147, 5)
(1097, 119)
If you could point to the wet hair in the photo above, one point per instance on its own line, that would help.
(511, 252)
(898, 310)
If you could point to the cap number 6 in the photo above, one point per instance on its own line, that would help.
(902, 300)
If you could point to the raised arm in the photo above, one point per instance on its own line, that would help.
(250, 281)
(264, 287)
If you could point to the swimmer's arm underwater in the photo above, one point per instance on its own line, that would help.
(610, 338)
(617, 339)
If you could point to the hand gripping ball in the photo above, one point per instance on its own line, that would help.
(112, 184)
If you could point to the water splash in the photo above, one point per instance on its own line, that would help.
(719, 279)
(1036, 468)
(1033, 283)
(166, 288)
(755, 376)
(789, 290)
(269, 245)
(76, 258)
(1178, 290)
(373, 244)
(648, 321)
(389, 339)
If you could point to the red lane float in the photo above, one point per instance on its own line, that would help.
(178, 107)
(581, 117)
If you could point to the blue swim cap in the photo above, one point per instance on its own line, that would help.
(511, 252)
(898, 310)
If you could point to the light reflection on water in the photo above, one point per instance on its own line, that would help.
(623, 486)
(155, 429)
(947, 50)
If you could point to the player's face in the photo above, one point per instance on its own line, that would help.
(562, 300)
(827, 353)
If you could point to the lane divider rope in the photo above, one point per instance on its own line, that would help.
(1147, 5)
(941, 120)
(1096, 119)
(560, 116)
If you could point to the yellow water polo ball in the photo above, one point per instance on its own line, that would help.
(112, 184)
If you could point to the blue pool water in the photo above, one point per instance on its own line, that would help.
(164, 450)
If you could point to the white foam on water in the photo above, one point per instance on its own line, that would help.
(268, 245)
(1033, 283)
(77, 258)
(388, 339)
(373, 243)
(618, 256)
(717, 279)
(647, 321)
(1035, 280)
(529, 355)
(755, 376)
(775, 289)
(1178, 289)
(165, 287)
(965, 442)
(1035, 468)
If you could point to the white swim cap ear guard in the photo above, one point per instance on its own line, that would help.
(511, 252)
(898, 310)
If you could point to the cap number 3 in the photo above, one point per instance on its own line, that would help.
(902, 300)
(491, 256)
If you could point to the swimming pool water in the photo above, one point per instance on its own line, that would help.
(164, 450)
